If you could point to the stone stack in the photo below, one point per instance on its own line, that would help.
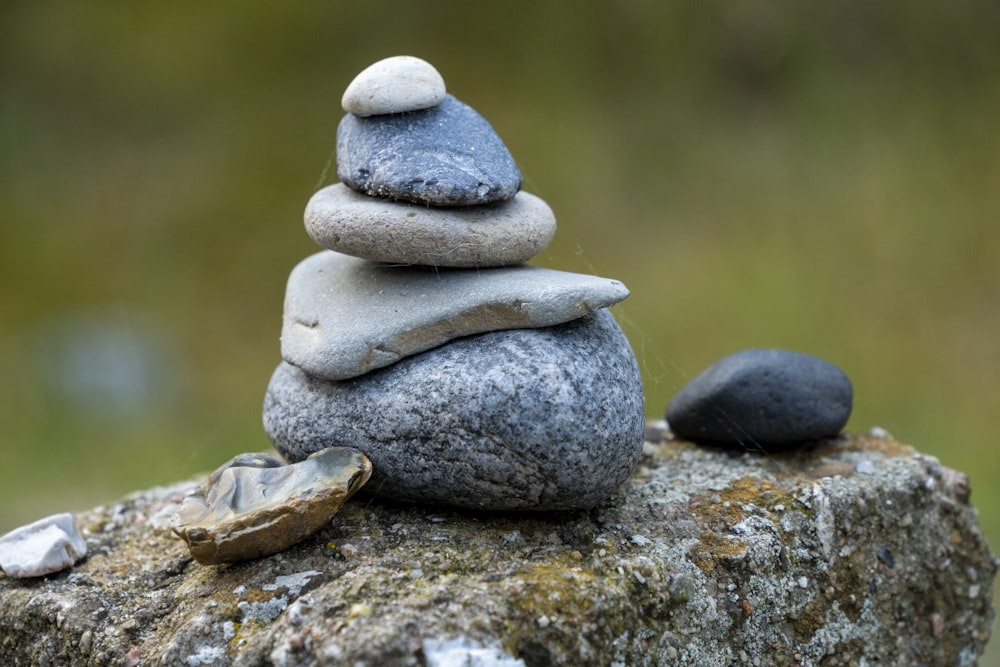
(420, 337)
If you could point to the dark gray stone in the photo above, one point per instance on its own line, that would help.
(447, 155)
(763, 397)
(526, 419)
(346, 316)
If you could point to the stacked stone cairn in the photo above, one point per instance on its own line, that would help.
(420, 336)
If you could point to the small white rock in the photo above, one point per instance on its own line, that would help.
(43, 547)
(394, 85)
(464, 652)
(865, 467)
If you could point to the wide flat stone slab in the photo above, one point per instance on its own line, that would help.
(854, 551)
(346, 316)
(502, 234)
(447, 155)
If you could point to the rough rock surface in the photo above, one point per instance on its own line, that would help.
(853, 551)
(526, 419)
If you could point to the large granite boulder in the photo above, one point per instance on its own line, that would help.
(857, 550)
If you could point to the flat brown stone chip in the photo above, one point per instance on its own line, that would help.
(256, 505)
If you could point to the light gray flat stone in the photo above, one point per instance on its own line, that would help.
(526, 419)
(43, 547)
(394, 85)
(503, 234)
(346, 316)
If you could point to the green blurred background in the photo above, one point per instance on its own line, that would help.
(817, 176)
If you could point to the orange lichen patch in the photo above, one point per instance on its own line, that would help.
(556, 588)
(712, 547)
(728, 506)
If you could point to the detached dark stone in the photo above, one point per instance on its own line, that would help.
(763, 397)
(447, 155)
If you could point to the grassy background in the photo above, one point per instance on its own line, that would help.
(818, 176)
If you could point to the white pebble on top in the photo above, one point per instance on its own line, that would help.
(394, 85)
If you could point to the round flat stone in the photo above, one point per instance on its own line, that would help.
(447, 155)
(346, 316)
(763, 397)
(501, 234)
(394, 85)
(255, 505)
(527, 419)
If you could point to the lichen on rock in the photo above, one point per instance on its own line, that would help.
(846, 550)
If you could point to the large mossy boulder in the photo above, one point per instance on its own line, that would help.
(849, 551)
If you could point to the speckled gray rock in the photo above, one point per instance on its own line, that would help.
(447, 155)
(859, 551)
(394, 85)
(501, 234)
(528, 419)
(763, 398)
(346, 316)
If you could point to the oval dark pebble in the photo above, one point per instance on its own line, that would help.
(763, 397)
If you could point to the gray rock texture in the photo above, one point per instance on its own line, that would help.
(527, 419)
(345, 316)
(447, 155)
(500, 234)
(852, 551)
(765, 398)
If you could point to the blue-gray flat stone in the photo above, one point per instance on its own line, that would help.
(346, 316)
(394, 85)
(527, 419)
(501, 234)
(763, 397)
(447, 155)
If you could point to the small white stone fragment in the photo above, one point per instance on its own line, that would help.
(394, 85)
(464, 652)
(865, 467)
(879, 432)
(293, 582)
(43, 547)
